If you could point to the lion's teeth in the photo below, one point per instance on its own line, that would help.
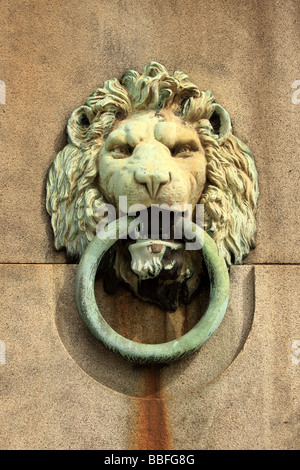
(147, 256)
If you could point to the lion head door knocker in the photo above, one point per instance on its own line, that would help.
(153, 142)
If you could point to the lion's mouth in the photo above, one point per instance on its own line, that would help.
(155, 247)
(155, 223)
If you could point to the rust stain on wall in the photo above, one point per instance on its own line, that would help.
(152, 427)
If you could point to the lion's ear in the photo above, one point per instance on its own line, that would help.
(78, 125)
(221, 122)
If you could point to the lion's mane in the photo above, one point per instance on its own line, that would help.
(230, 195)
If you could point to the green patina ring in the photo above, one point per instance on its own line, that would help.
(152, 353)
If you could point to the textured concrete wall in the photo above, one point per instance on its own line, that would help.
(59, 387)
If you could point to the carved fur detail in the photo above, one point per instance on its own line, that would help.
(231, 191)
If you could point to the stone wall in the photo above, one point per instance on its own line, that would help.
(60, 389)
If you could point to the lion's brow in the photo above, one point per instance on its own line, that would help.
(116, 138)
(159, 115)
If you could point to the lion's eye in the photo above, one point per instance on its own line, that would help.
(121, 151)
(182, 150)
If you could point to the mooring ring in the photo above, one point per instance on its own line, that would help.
(152, 353)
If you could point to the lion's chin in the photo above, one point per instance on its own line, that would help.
(154, 264)
(169, 280)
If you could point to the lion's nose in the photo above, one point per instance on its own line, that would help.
(153, 180)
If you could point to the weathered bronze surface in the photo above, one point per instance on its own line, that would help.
(145, 353)
(156, 140)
